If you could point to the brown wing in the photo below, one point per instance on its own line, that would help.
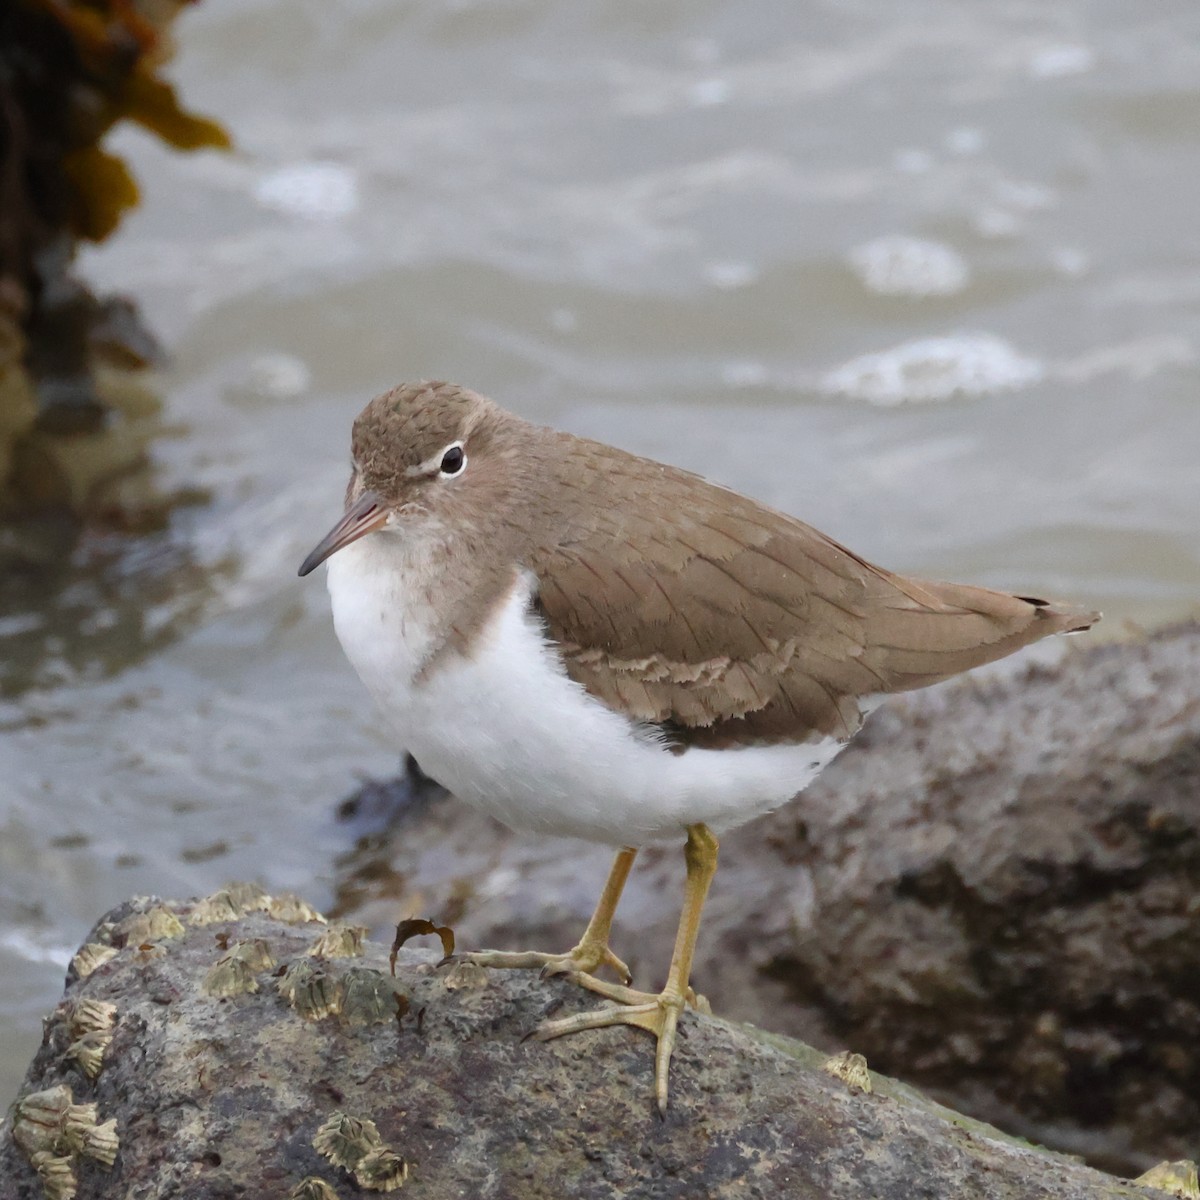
(683, 604)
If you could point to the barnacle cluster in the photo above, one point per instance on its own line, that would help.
(54, 1132)
(362, 996)
(91, 1026)
(354, 1144)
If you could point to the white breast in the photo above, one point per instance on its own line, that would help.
(507, 730)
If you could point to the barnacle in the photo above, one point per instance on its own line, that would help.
(149, 926)
(53, 1130)
(292, 910)
(1174, 1178)
(101, 1143)
(38, 1119)
(313, 1188)
(89, 957)
(369, 997)
(339, 941)
(220, 906)
(312, 992)
(346, 1140)
(56, 1173)
(851, 1068)
(234, 972)
(88, 1051)
(381, 1170)
(250, 897)
(92, 1016)
(464, 976)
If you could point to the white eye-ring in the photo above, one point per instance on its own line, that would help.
(454, 461)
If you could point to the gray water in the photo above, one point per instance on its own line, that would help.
(925, 273)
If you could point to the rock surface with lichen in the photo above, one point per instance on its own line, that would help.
(991, 893)
(309, 1070)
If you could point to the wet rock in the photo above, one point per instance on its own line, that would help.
(992, 893)
(203, 1095)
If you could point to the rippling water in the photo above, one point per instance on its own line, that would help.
(925, 273)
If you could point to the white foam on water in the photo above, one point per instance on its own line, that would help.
(317, 190)
(898, 265)
(1057, 62)
(938, 368)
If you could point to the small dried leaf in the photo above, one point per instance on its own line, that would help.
(382, 1170)
(417, 927)
(346, 1140)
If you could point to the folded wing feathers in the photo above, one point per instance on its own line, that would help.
(734, 623)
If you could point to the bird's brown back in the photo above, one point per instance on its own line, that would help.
(686, 605)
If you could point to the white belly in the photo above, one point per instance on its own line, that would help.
(507, 730)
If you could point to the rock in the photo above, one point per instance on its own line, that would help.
(70, 437)
(991, 893)
(252, 1091)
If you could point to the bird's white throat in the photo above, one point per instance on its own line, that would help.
(505, 729)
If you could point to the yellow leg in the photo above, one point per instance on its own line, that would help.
(591, 953)
(659, 1014)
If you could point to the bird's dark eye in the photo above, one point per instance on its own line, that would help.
(453, 461)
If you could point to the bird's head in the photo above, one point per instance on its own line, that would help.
(423, 452)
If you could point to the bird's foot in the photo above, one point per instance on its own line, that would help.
(657, 1014)
(579, 964)
(628, 995)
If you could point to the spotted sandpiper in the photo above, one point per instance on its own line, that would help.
(587, 643)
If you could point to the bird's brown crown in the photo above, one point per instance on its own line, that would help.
(407, 426)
